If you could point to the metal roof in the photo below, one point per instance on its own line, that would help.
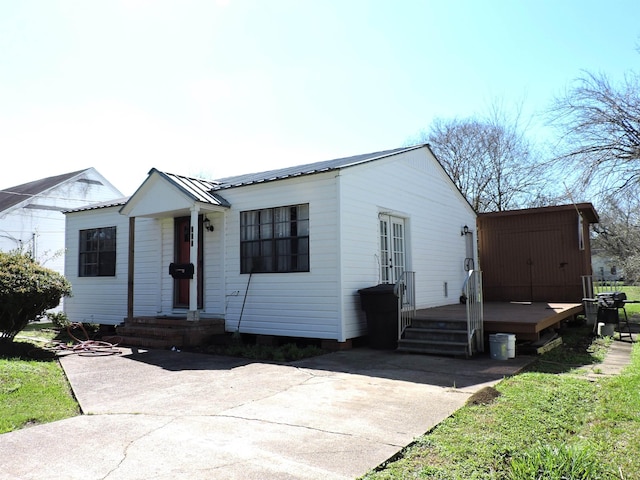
(201, 190)
(14, 195)
(198, 189)
(116, 202)
(307, 169)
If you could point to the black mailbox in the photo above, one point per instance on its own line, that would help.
(181, 270)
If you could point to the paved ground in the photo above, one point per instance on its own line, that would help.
(167, 415)
(618, 357)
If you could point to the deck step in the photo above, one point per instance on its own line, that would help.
(433, 347)
(439, 324)
(435, 334)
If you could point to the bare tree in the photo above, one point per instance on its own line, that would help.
(617, 235)
(600, 127)
(490, 160)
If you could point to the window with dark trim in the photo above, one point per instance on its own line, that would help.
(97, 252)
(275, 239)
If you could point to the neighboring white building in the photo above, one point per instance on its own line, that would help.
(279, 253)
(605, 268)
(31, 218)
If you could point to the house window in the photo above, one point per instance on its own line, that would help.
(275, 240)
(97, 252)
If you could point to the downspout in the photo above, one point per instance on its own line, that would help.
(341, 313)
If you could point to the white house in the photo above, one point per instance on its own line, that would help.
(31, 218)
(279, 253)
(605, 268)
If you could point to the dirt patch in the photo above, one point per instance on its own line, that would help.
(483, 396)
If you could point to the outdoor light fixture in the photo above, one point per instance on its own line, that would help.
(465, 231)
(206, 223)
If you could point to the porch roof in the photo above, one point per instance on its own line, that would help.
(165, 194)
(197, 188)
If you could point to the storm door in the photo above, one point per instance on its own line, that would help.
(469, 245)
(392, 248)
(182, 242)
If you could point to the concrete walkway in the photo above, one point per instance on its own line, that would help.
(618, 357)
(167, 415)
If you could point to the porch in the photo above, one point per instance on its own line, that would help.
(525, 319)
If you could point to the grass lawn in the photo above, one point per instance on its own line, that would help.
(633, 293)
(550, 422)
(33, 387)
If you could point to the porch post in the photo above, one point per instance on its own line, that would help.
(131, 266)
(193, 313)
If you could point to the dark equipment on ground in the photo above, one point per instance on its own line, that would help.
(609, 306)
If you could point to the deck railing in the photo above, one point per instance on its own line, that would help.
(405, 290)
(587, 286)
(472, 290)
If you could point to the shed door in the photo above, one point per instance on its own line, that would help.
(392, 248)
(532, 267)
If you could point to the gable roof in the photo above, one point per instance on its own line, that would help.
(12, 196)
(308, 169)
(165, 193)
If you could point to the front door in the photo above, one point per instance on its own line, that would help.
(392, 248)
(182, 255)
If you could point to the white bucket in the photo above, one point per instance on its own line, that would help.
(498, 346)
(606, 329)
(511, 344)
(590, 312)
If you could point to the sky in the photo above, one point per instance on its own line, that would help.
(214, 88)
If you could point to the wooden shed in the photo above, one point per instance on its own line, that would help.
(536, 254)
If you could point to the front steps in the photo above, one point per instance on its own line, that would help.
(167, 332)
(435, 337)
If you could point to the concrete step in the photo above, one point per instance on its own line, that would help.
(127, 341)
(151, 332)
(173, 321)
(165, 332)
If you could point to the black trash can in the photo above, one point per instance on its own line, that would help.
(380, 304)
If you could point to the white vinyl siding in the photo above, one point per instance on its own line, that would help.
(417, 190)
(104, 299)
(304, 304)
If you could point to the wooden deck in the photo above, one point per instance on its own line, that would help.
(525, 319)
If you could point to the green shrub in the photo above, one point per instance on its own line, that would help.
(59, 319)
(27, 290)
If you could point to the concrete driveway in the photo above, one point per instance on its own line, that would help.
(155, 414)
